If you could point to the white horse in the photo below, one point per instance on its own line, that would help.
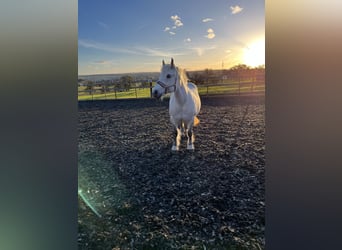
(185, 103)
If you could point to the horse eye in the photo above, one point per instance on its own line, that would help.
(168, 76)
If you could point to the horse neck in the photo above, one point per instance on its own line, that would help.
(181, 89)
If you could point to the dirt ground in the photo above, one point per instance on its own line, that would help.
(134, 193)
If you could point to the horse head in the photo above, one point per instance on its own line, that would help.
(167, 80)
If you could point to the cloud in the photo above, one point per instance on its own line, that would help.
(210, 34)
(158, 52)
(200, 51)
(187, 40)
(175, 17)
(177, 20)
(178, 23)
(129, 50)
(103, 25)
(235, 9)
(152, 52)
(101, 62)
(205, 20)
(104, 47)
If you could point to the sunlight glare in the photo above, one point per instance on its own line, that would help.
(254, 55)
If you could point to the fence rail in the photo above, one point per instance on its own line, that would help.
(112, 92)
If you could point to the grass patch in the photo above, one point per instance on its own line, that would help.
(231, 88)
(98, 95)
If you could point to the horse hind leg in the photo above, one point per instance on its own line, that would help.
(182, 131)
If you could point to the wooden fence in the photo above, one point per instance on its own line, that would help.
(112, 92)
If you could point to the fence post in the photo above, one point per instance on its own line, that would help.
(207, 89)
(253, 83)
(151, 89)
(136, 94)
(115, 93)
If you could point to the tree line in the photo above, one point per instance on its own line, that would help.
(125, 83)
(206, 76)
(238, 72)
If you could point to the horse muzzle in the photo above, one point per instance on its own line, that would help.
(156, 94)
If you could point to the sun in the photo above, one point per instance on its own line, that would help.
(254, 54)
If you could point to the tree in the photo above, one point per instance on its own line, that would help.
(240, 67)
(145, 84)
(90, 86)
(207, 75)
(104, 87)
(125, 82)
(241, 71)
(197, 77)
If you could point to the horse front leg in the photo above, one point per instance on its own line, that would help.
(176, 138)
(191, 138)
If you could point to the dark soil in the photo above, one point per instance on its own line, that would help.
(141, 195)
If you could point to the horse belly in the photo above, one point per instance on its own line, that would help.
(196, 103)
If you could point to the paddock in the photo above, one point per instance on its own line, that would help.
(135, 193)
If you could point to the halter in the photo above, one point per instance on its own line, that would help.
(165, 87)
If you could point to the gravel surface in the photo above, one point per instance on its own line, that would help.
(135, 193)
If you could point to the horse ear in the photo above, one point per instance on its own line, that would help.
(163, 63)
(172, 64)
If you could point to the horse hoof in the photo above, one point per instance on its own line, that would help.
(175, 148)
(190, 147)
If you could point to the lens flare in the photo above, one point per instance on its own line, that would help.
(254, 55)
(88, 203)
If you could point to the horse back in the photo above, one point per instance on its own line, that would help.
(192, 85)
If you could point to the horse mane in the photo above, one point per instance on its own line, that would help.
(183, 78)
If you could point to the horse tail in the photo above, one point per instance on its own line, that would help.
(196, 121)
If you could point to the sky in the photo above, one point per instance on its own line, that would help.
(125, 36)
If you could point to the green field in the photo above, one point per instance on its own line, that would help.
(97, 95)
(232, 88)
